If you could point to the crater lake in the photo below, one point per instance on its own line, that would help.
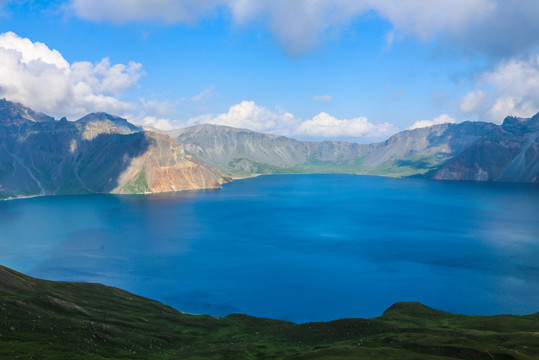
(293, 247)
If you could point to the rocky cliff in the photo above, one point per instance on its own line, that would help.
(466, 151)
(102, 153)
(509, 152)
(240, 152)
(99, 153)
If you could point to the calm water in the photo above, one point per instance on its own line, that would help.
(294, 247)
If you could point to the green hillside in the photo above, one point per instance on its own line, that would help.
(61, 320)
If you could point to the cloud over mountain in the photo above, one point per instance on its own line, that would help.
(41, 78)
(249, 115)
(442, 119)
(509, 89)
(324, 125)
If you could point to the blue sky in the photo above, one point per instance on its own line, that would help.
(345, 69)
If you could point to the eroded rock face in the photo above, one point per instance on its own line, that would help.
(165, 167)
(508, 153)
(220, 145)
(97, 154)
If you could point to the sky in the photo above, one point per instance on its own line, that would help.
(356, 70)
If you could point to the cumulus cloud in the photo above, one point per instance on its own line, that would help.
(41, 78)
(488, 26)
(322, 98)
(249, 115)
(509, 89)
(426, 19)
(324, 125)
(442, 119)
(504, 29)
(158, 123)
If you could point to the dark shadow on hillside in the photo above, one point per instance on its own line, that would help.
(54, 158)
(107, 156)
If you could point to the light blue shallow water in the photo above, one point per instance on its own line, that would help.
(294, 247)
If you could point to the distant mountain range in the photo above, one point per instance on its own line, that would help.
(102, 153)
(466, 151)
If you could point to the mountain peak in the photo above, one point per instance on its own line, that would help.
(12, 113)
(100, 116)
(111, 120)
(529, 124)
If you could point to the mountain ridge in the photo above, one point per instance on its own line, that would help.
(99, 153)
(17, 114)
(419, 152)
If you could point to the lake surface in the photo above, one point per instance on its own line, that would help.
(294, 247)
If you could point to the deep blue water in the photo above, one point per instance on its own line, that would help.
(294, 247)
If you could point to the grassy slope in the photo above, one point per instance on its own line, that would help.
(413, 166)
(137, 186)
(59, 320)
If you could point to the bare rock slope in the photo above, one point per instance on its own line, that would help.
(99, 153)
(508, 153)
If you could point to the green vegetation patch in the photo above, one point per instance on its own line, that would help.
(246, 167)
(414, 165)
(353, 166)
(137, 186)
(411, 166)
(61, 320)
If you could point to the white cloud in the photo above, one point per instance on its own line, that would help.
(122, 11)
(35, 75)
(160, 108)
(442, 119)
(322, 98)
(251, 116)
(472, 101)
(324, 125)
(248, 115)
(509, 89)
(426, 19)
(158, 123)
(41, 78)
(487, 26)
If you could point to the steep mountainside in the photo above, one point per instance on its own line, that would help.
(61, 320)
(99, 153)
(509, 153)
(105, 153)
(240, 152)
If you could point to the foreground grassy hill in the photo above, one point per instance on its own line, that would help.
(42, 319)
